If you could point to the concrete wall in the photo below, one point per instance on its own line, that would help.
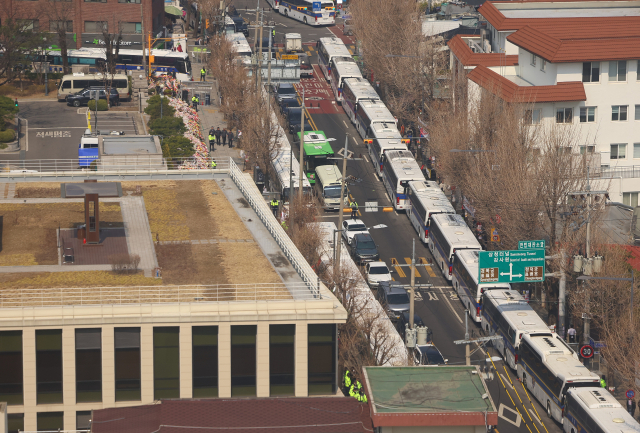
(435, 429)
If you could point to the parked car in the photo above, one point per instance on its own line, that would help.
(284, 91)
(294, 119)
(376, 272)
(428, 354)
(306, 70)
(285, 104)
(84, 96)
(364, 249)
(393, 298)
(417, 321)
(350, 228)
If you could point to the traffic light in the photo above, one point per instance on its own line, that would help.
(16, 102)
(273, 33)
(207, 23)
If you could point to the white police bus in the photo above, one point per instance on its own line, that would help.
(506, 313)
(399, 169)
(303, 10)
(449, 233)
(465, 282)
(595, 410)
(378, 149)
(368, 114)
(283, 165)
(328, 48)
(328, 187)
(548, 368)
(354, 91)
(426, 199)
(341, 69)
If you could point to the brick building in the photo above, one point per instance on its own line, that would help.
(84, 19)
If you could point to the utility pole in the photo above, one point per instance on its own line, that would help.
(467, 350)
(144, 55)
(341, 212)
(468, 340)
(302, 146)
(260, 53)
(271, 42)
(413, 284)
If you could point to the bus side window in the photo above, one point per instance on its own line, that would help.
(66, 84)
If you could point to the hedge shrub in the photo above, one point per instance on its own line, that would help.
(7, 136)
(102, 105)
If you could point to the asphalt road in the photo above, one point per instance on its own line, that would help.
(438, 306)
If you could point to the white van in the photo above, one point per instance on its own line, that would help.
(74, 83)
(328, 184)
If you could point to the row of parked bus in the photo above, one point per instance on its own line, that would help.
(545, 364)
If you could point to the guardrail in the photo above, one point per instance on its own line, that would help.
(623, 172)
(14, 298)
(259, 205)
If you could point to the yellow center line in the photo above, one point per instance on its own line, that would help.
(428, 267)
(394, 263)
(408, 260)
(534, 407)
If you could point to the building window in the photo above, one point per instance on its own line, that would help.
(83, 420)
(128, 28)
(16, 422)
(205, 361)
(11, 382)
(50, 421)
(636, 150)
(243, 360)
(637, 114)
(166, 362)
(532, 117)
(282, 359)
(95, 26)
(55, 25)
(587, 114)
(630, 199)
(618, 151)
(587, 149)
(88, 365)
(26, 25)
(533, 59)
(127, 363)
(543, 65)
(618, 70)
(619, 113)
(591, 72)
(129, 1)
(49, 366)
(322, 359)
(564, 115)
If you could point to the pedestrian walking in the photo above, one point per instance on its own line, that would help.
(275, 204)
(239, 134)
(230, 138)
(218, 133)
(571, 332)
(630, 406)
(223, 135)
(203, 72)
(212, 141)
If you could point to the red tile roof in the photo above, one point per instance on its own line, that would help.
(468, 58)
(292, 415)
(511, 92)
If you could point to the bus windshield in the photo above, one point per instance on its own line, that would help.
(332, 192)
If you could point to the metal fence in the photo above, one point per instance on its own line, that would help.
(14, 298)
(623, 172)
(259, 205)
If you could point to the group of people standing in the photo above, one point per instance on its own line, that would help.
(221, 137)
(354, 387)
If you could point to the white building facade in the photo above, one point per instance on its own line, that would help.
(577, 63)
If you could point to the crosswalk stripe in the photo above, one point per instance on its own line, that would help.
(408, 260)
(428, 268)
(350, 51)
(394, 263)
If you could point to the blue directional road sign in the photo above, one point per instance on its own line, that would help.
(316, 6)
(512, 266)
(531, 245)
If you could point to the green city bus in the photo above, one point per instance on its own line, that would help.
(317, 149)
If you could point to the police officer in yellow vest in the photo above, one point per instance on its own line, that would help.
(347, 379)
(354, 210)
(212, 142)
(213, 164)
(603, 382)
(275, 204)
(195, 101)
(203, 72)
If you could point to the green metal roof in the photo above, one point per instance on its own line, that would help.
(426, 389)
(316, 144)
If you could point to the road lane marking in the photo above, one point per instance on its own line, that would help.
(63, 127)
(408, 260)
(517, 414)
(365, 158)
(505, 379)
(345, 123)
(428, 267)
(450, 306)
(432, 296)
(395, 264)
(535, 417)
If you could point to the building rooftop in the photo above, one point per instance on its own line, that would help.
(512, 92)
(447, 395)
(460, 48)
(127, 145)
(293, 415)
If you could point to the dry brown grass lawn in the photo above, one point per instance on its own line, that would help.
(29, 229)
(38, 280)
(38, 190)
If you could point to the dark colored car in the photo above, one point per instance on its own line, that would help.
(428, 355)
(404, 320)
(306, 69)
(364, 249)
(293, 119)
(392, 296)
(285, 104)
(84, 96)
(241, 26)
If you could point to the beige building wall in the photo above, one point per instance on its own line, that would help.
(262, 360)
(301, 354)
(224, 360)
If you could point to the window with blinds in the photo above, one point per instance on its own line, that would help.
(88, 365)
(127, 363)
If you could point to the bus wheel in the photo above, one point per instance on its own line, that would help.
(305, 20)
(549, 410)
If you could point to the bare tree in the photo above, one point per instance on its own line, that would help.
(60, 14)
(18, 39)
